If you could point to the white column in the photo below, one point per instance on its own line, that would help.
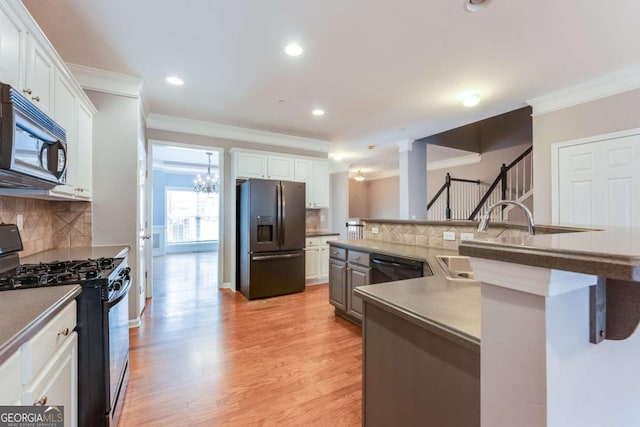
(339, 207)
(413, 179)
(538, 367)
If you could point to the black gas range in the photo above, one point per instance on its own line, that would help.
(102, 321)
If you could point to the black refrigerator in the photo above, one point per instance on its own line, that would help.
(271, 237)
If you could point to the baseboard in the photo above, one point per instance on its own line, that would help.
(226, 285)
(313, 282)
(134, 323)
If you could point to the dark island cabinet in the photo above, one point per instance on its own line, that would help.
(356, 276)
(338, 283)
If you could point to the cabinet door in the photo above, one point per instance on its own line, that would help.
(280, 168)
(358, 276)
(337, 283)
(303, 172)
(250, 165)
(65, 111)
(83, 160)
(311, 262)
(321, 184)
(40, 76)
(12, 49)
(57, 383)
(10, 383)
(324, 262)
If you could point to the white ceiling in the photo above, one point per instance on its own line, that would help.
(384, 71)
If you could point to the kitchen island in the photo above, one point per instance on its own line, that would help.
(421, 342)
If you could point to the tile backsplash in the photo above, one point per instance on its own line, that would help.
(314, 219)
(48, 224)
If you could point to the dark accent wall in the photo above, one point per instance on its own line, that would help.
(502, 131)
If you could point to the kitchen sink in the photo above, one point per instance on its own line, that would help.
(457, 268)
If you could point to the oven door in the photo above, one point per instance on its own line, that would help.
(118, 346)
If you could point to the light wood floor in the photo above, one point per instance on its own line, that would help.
(209, 357)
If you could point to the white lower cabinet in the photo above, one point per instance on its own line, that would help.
(10, 384)
(317, 257)
(57, 382)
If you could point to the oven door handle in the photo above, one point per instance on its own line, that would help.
(390, 264)
(126, 284)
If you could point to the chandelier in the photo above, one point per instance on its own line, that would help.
(207, 185)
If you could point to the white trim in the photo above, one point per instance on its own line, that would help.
(405, 145)
(198, 127)
(453, 162)
(107, 81)
(337, 167)
(382, 174)
(601, 87)
(226, 285)
(555, 165)
(134, 323)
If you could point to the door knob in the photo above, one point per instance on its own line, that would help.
(146, 237)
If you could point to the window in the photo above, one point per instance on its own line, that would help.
(191, 217)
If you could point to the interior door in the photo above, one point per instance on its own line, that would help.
(599, 183)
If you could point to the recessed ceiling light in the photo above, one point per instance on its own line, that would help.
(175, 80)
(471, 100)
(282, 101)
(475, 5)
(293, 49)
(371, 147)
(318, 112)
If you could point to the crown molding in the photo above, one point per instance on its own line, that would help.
(453, 162)
(107, 81)
(383, 174)
(405, 145)
(197, 127)
(601, 87)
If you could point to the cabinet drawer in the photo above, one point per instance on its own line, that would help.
(327, 239)
(357, 257)
(311, 241)
(337, 253)
(37, 351)
(10, 384)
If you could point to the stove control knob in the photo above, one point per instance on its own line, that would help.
(117, 284)
(126, 271)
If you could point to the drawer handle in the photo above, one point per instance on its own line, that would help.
(335, 252)
(356, 257)
(64, 332)
(41, 402)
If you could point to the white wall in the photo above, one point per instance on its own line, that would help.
(611, 114)
(115, 189)
(339, 203)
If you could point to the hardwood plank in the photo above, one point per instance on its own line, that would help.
(204, 356)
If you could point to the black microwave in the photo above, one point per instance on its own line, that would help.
(33, 148)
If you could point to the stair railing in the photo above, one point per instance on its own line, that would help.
(464, 194)
(515, 181)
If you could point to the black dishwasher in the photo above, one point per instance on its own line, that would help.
(386, 268)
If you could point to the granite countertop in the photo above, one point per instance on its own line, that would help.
(446, 307)
(23, 312)
(613, 253)
(320, 233)
(68, 254)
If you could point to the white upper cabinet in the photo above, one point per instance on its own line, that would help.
(40, 73)
(321, 184)
(65, 109)
(84, 153)
(315, 174)
(12, 48)
(280, 167)
(251, 165)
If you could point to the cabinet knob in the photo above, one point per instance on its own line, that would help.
(356, 257)
(35, 98)
(41, 402)
(64, 332)
(27, 91)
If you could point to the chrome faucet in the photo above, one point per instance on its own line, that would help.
(484, 223)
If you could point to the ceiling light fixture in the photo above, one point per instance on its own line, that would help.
(209, 185)
(475, 5)
(175, 80)
(359, 176)
(318, 112)
(471, 100)
(293, 49)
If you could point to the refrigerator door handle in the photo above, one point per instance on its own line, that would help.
(268, 257)
(283, 209)
(279, 213)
